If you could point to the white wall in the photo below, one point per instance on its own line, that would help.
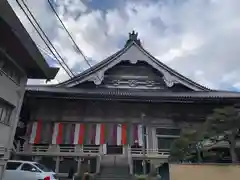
(8, 89)
(13, 94)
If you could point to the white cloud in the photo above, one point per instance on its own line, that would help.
(191, 36)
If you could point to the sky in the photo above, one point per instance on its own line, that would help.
(198, 38)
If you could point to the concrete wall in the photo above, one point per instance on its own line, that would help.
(13, 94)
(204, 172)
(8, 90)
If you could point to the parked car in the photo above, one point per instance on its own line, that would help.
(27, 170)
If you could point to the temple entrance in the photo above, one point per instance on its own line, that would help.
(114, 149)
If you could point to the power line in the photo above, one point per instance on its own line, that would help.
(47, 53)
(67, 69)
(63, 61)
(75, 44)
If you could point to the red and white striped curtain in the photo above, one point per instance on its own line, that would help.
(86, 133)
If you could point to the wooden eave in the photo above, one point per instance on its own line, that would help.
(126, 95)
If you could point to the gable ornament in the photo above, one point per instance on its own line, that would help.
(132, 83)
(169, 80)
(150, 83)
(97, 78)
(133, 36)
(116, 82)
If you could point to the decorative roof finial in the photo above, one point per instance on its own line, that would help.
(133, 36)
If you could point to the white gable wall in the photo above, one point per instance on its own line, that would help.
(134, 53)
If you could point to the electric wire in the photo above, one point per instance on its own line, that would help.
(67, 69)
(63, 61)
(46, 52)
(69, 34)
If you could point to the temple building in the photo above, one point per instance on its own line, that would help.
(20, 59)
(128, 108)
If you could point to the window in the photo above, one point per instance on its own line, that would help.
(5, 112)
(13, 165)
(168, 131)
(42, 167)
(29, 167)
(9, 68)
(165, 143)
(166, 136)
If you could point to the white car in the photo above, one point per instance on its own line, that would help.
(27, 170)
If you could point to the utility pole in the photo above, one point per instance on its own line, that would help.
(144, 142)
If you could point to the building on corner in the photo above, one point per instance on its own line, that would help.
(19, 60)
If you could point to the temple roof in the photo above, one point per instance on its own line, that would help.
(125, 94)
(132, 52)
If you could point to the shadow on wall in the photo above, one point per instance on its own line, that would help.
(204, 171)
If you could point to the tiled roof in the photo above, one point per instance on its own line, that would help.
(126, 93)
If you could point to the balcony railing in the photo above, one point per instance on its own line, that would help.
(57, 149)
(149, 152)
(84, 150)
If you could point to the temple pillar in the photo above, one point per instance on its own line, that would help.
(98, 164)
(155, 146)
(79, 148)
(79, 165)
(149, 138)
(52, 148)
(57, 164)
(130, 162)
(104, 148)
(100, 149)
(2, 168)
(27, 147)
(125, 150)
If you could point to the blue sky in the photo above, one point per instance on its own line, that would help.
(198, 38)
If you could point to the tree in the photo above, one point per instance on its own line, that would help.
(223, 125)
(179, 149)
(183, 147)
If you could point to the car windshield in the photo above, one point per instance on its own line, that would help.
(42, 167)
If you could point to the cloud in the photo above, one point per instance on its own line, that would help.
(199, 39)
